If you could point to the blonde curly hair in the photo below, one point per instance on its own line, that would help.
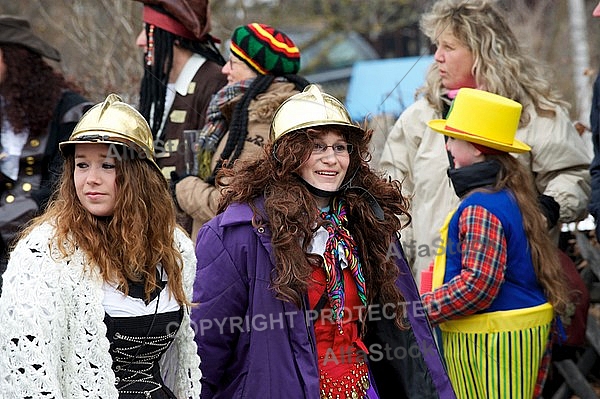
(501, 66)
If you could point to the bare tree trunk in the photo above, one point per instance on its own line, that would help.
(581, 59)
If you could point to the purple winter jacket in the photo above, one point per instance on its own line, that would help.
(252, 345)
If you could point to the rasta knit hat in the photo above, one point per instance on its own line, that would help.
(265, 49)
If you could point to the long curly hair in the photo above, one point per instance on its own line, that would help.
(31, 89)
(515, 177)
(501, 66)
(129, 244)
(292, 213)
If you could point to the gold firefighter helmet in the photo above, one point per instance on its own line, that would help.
(310, 108)
(114, 122)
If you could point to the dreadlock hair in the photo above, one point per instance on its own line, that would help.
(238, 128)
(156, 77)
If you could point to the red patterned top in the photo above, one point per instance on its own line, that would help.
(342, 356)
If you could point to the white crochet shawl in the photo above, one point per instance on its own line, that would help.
(52, 335)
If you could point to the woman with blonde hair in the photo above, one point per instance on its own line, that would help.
(476, 48)
(98, 288)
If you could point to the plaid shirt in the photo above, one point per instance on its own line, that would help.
(483, 247)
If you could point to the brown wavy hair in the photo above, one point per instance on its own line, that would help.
(515, 177)
(31, 89)
(134, 240)
(292, 213)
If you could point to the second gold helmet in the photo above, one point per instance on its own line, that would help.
(114, 121)
(310, 108)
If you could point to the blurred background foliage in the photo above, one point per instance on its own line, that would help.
(97, 37)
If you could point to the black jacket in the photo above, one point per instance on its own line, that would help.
(39, 169)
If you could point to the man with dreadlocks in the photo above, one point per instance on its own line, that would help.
(261, 74)
(182, 70)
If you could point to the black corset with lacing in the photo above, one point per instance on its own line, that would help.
(136, 346)
(138, 342)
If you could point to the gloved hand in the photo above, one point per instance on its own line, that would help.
(550, 208)
(175, 178)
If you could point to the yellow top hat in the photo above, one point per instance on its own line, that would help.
(483, 118)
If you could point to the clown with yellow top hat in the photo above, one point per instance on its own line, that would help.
(496, 283)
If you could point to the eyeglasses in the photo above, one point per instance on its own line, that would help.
(233, 62)
(338, 149)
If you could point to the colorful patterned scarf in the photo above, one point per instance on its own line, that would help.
(216, 125)
(340, 239)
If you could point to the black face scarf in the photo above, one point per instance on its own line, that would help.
(371, 200)
(474, 176)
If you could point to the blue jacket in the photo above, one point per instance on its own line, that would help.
(520, 288)
(253, 345)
